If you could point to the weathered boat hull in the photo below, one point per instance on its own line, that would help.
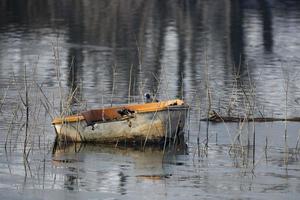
(139, 127)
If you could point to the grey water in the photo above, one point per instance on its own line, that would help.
(245, 53)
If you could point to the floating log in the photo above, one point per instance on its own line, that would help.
(216, 117)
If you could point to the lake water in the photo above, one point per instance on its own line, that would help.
(237, 57)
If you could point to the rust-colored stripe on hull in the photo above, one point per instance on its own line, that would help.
(111, 113)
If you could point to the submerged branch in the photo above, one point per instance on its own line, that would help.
(215, 117)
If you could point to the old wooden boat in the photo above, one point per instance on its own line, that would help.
(148, 122)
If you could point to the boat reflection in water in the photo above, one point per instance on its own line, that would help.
(113, 169)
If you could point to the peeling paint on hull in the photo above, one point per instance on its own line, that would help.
(149, 126)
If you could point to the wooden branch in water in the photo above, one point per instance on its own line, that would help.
(215, 117)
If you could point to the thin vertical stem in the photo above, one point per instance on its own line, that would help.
(57, 65)
(208, 101)
(27, 111)
(254, 143)
(113, 85)
(129, 85)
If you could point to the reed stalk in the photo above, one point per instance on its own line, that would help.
(139, 54)
(182, 86)
(8, 162)
(114, 69)
(167, 82)
(208, 96)
(129, 85)
(252, 106)
(149, 129)
(199, 127)
(46, 103)
(177, 131)
(266, 149)
(10, 129)
(158, 86)
(189, 125)
(56, 56)
(27, 111)
(2, 101)
(286, 80)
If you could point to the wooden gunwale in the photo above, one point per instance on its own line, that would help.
(111, 113)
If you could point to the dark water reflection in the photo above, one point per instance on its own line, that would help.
(111, 169)
(170, 46)
(111, 49)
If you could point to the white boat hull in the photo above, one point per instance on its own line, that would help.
(148, 126)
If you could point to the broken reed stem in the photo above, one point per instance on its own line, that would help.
(227, 129)
(149, 129)
(11, 125)
(167, 82)
(113, 84)
(27, 111)
(252, 106)
(166, 132)
(232, 98)
(286, 90)
(57, 67)
(286, 106)
(189, 125)
(199, 127)
(68, 104)
(46, 104)
(208, 99)
(129, 85)
(71, 72)
(182, 86)
(254, 143)
(178, 131)
(4, 97)
(134, 86)
(139, 55)
(141, 89)
(158, 86)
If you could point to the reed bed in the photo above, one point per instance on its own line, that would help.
(35, 107)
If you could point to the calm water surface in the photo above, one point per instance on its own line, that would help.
(111, 51)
